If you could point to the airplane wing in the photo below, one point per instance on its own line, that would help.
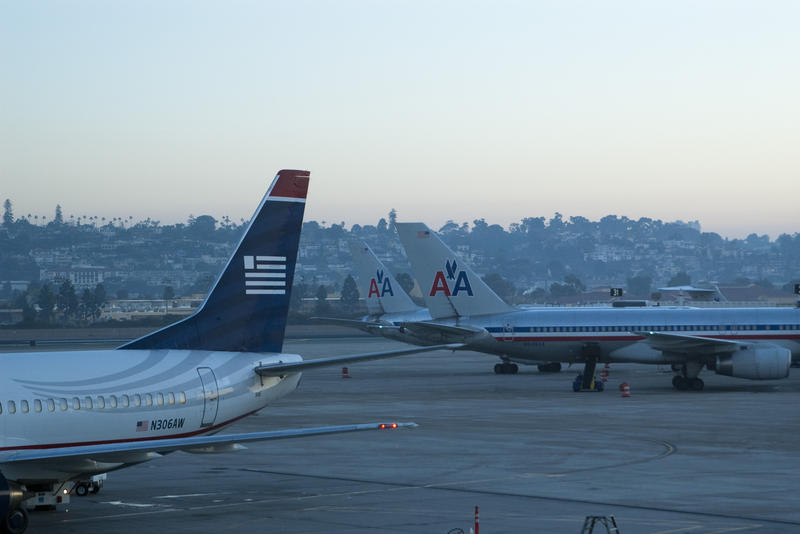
(88, 458)
(445, 333)
(679, 343)
(371, 327)
(280, 369)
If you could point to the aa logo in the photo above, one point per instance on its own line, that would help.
(383, 282)
(458, 281)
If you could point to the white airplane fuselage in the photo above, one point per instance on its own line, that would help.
(562, 334)
(54, 400)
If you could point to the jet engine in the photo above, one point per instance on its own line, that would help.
(13, 518)
(756, 363)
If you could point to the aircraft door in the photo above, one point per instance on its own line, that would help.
(210, 395)
(508, 332)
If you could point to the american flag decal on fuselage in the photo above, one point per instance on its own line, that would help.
(265, 275)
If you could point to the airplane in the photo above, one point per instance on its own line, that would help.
(753, 343)
(387, 302)
(67, 416)
(390, 308)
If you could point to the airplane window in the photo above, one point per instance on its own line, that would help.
(124, 401)
(1, 407)
(112, 401)
(171, 398)
(160, 399)
(51, 405)
(137, 400)
(62, 404)
(182, 397)
(87, 403)
(12, 407)
(37, 405)
(148, 400)
(76, 403)
(23, 406)
(101, 402)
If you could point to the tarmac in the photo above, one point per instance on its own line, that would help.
(533, 456)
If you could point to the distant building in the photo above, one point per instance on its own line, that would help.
(81, 276)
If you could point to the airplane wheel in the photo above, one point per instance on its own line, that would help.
(82, 490)
(696, 384)
(498, 369)
(555, 367)
(599, 386)
(96, 487)
(680, 383)
(542, 368)
(513, 368)
(16, 522)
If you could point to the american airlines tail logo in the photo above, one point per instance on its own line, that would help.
(383, 281)
(459, 279)
(265, 275)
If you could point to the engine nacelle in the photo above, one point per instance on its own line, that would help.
(756, 363)
(11, 496)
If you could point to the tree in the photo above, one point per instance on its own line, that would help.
(322, 306)
(574, 281)
(8, 213)
(100, 295)
(59, 218)
(405, 281)
(169, 293)
(392, 218)
(504, 289)
(639, 285)
(46, 301)
(67, 300)
(680, 279)
(350, 295)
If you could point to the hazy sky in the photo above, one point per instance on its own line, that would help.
(441, 110)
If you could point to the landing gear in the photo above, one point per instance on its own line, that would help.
(688, 379)
(506, 368)
(552, 367)
(16, 522)
(91, 485)
(586, 381)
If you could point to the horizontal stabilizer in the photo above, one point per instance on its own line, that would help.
(280, 369)
(371, 327)
(446, 333)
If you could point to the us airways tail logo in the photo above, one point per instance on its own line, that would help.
(265, 275)
(380, 280)
(459, 281)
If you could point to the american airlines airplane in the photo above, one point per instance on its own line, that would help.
(66, 416)
(757, 343)
(387, 302)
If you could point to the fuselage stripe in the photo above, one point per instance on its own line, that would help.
(109, 442)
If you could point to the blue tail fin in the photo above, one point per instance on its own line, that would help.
(247, 307)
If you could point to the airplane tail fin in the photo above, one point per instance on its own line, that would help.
(246, 309)
(381, 291)
(449, 286)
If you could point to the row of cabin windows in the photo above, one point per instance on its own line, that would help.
(100, 402)
(671, 328)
